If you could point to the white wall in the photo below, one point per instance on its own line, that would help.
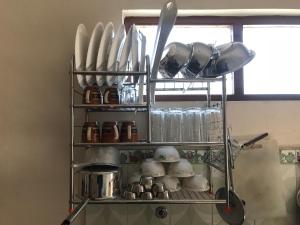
(37, 39)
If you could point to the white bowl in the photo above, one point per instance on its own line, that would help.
(196, 183)
(171, 183)
(166, 154)
(135, 178)
(152, 168)
(183, 168)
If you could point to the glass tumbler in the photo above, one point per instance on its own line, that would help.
(172, 124)
(157, 125)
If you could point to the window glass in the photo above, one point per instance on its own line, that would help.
(275, 68)
(215, 35)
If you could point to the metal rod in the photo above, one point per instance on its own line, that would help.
(72, 136)
(75, 213)
(185, 144)
(208, 94)
(225, 139)
(149, 136)
(110, 73)
(138, 201)
(110, 106)
(181, 89)
(200, 80)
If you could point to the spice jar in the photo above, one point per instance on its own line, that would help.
(92, 95)
(129, 132)
(110, 132)
(111, 96)
(91, 132)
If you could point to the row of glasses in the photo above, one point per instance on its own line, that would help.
(186, 124)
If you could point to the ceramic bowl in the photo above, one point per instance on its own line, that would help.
(166, 154)
(232, 57)
(199, 59)
(134, 178)
(175, 56)
(152, 168)
(197, 183)
(183, 168)
(171, 183)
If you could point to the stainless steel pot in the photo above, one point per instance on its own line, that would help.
(97, 185)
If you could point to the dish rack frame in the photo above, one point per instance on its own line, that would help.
(182, 197)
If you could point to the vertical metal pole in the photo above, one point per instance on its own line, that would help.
(71, 206)
(225, 140)
(208, 94)
(149, 138)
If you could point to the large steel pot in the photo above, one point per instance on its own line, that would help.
(98, 184)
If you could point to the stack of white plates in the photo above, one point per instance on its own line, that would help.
(108, 51)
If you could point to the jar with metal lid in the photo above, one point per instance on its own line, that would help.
(91, 132)
(92, 95)
(129, 132)
(110, 132)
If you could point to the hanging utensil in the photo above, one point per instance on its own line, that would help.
(73, 215)
(166, 21)
(233, 211)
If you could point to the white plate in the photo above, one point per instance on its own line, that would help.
(114, 53)
(142, 66)
(81, 46)
(103, 52)
(125, 55)
(92, 52)
(135, 52)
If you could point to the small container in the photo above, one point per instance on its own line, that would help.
(91, 132)
(129, 195)
(110, 132)
(137, 188)
(111, 96)
(147, 195)
(163, 195)
(147, 182)
(92, 95)
(157, 188)
(129, 132)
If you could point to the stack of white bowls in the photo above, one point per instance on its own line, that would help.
(174, 172)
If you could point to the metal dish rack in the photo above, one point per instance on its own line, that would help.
(181, 197)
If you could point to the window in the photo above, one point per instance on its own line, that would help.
(272, 75)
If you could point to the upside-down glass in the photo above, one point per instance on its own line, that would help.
(172, 124)
(157, 125)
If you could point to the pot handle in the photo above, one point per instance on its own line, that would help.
(73, 215)
(254, 140)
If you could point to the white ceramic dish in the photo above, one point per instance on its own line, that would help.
(166, 154)
(183, 168)
(81, 47)
(197, 183)
(114, 53)
(142, 66)
(135, 52)
(172, 184)
(103, 52)
(152, 168)
(125, 55)
(92, 52)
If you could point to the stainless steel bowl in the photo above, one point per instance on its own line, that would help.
(103, 156)
(199, 59)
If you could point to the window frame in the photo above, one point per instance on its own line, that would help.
(237, 23)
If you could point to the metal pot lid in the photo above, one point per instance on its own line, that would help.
(235, 213)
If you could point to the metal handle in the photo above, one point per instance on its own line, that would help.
(253, 140)
(73, 215)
